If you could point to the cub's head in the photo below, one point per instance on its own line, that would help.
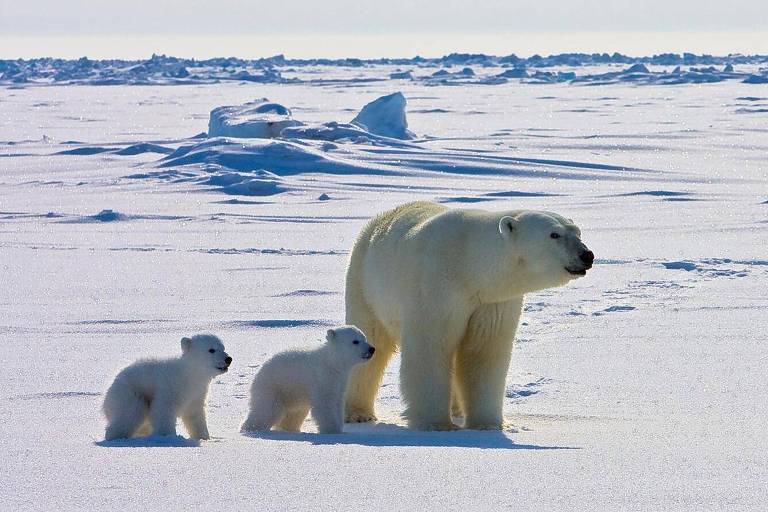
(547, 247)
(206, 352)
(350, 343)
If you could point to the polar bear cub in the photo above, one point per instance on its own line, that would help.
(293, 382)
(147, 396)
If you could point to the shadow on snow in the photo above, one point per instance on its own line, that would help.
(386, 434)
(150, 442)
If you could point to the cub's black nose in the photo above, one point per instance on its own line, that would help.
(588, 257)
(228, 360)
(371, 350)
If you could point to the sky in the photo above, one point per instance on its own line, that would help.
(392, 28)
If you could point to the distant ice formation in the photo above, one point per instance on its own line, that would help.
(257, 119)
(453, 69)
(381, 121)
(385, 116)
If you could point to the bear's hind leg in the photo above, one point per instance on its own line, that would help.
(125, 415)
(365, 379)
(457, 406)
(144, 430)
(265, 411)
(293, 419)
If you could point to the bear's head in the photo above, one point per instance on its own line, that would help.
(206, 353)
(545, 249)
(350, 343)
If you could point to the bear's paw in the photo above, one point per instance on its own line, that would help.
(360, 416)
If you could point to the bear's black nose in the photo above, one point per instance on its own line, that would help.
(228, 360)
(588, 257)
(371, 350)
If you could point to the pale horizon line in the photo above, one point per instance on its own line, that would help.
(394, 46)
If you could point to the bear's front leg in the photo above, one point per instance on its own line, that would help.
(328, 408)
(483, 384)
(425, 372)
(162, 416)
(195, 422)
(482, 363)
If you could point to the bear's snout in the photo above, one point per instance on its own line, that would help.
(587, 257)
(228, 360)
(371, 350)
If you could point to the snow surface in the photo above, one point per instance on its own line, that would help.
(639, 387)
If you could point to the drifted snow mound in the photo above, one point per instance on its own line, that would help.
(385, 116)
(332, 131)
(258, 119)
(381, 122)
(281, 157)
(106, 216)
(340, 132)
(256, 183)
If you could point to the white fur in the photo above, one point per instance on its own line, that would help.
(148, 396)
(446, 286)
(293, 382)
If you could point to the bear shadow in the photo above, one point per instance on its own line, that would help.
(389, 434)
(150, 442)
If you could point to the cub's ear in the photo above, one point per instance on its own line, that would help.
(330, 335)
(186, 344)
(507, 225)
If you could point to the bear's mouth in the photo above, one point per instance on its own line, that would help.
(367, 355)
(223, 369)
(576, 272)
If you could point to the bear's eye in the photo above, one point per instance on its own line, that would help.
(211, 350)
(555, 235)
(356, 342)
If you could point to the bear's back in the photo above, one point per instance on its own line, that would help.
(146, 375)
(399, 221)
(292, 371)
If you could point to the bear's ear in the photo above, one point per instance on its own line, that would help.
(507, 225)
(186, 344)
(330, 335)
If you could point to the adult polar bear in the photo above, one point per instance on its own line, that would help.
(447, 287)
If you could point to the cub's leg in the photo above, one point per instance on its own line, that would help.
(293, 419)
(265, 411)
(194, 420)
(162, 416)
(125, 412)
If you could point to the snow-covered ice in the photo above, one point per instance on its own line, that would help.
(256, 119)
(385, 116)
(641, 386)
(457, 69)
